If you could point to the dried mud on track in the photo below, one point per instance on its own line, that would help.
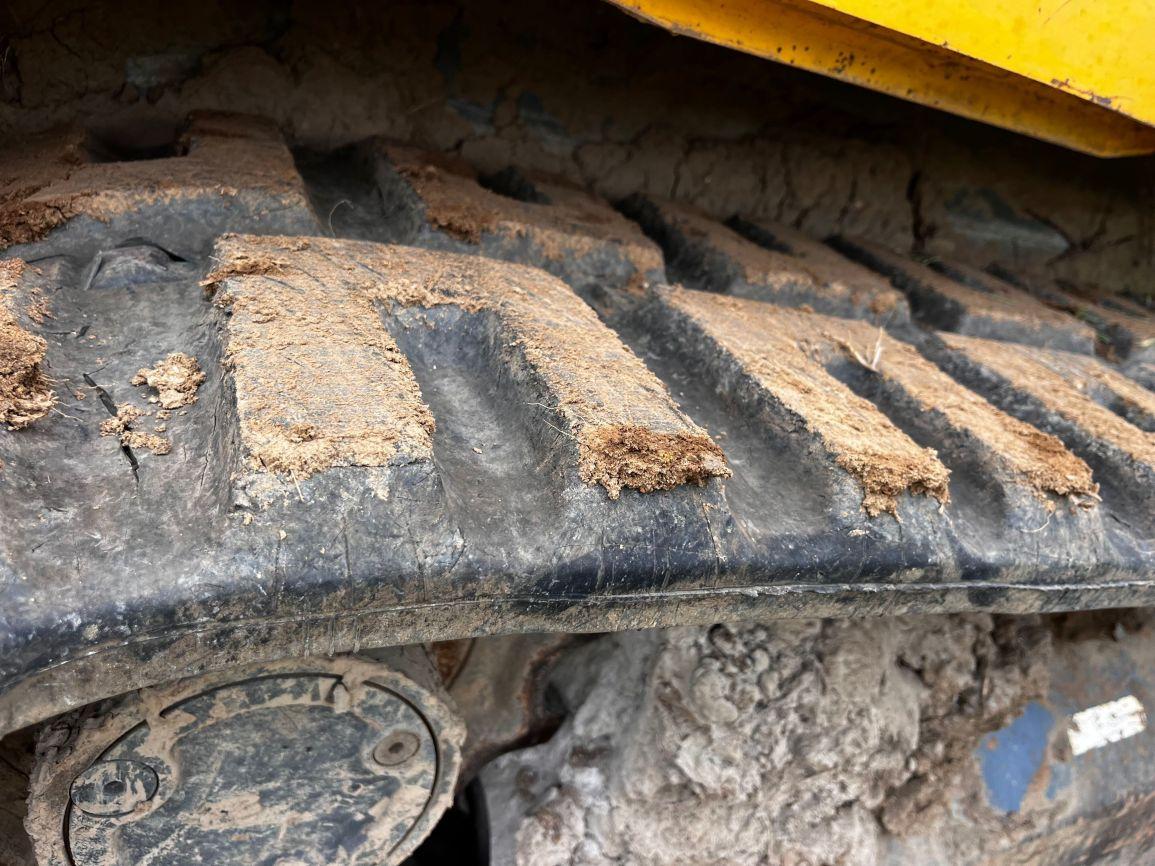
(25, 391)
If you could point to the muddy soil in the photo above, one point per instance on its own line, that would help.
(175, 380)
(25, 391)
(810, 742)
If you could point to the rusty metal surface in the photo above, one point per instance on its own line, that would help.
(501, 693)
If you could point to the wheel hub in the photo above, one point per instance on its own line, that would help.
(308, 764)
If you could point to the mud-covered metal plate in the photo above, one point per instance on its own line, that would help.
(306, 764)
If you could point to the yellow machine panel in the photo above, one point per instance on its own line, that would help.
(1073, 72)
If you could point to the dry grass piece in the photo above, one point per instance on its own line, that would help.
(876, 355)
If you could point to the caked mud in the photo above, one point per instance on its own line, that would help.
(813, 742)
(25, 391)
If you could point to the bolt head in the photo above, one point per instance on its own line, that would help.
(397, 748)
(114, 788)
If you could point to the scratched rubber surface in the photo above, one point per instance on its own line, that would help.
(447, 443)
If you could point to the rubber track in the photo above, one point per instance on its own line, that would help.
(405, 443)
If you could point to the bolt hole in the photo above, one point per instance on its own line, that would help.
(397, 748)
(114, 788)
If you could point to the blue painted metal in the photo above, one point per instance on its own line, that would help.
(1011, 758)
(1060, 809)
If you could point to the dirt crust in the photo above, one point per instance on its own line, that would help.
(1065, 384)
(791, 348)
(137, 440)
(126, 415)
(324, 312)
(569, 220)
(122, 425)
(999, 299)
(769, 343)
(1109, 318)
(28, 166)
(806, 742)
(26, 394)
(1135, 322)
(996, 301)
(49, 179)
(175, 379)
(293, 312)
(1022, 453)
(837, 273)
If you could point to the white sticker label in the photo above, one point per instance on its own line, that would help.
(1107, 723)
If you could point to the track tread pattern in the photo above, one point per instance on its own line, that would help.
(796, 358)
(705, 254)
(227, 169)
(366, 409)
(528, 218)
(521, 430)
(995, 310)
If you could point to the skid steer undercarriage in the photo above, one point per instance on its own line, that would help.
(365, 499)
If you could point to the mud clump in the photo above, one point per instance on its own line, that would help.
(885, 477)
(798, 742)
(637, 457)
(26, 394)
(121, 426)
(137, 440)
(968, 693)
(175, 379)
(126, 416)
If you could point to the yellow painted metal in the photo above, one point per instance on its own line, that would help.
(1046, 68)
(1096, 49)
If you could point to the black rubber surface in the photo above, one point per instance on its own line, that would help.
(119, 569)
